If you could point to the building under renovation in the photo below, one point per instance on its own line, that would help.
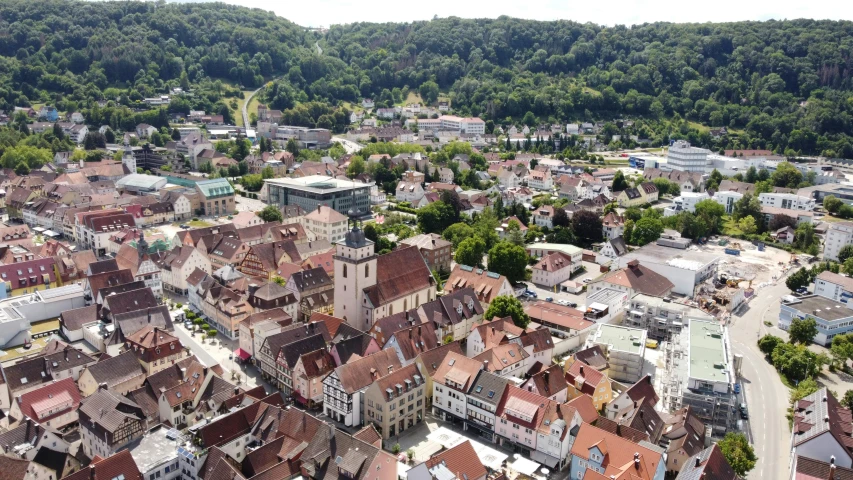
(699, 371)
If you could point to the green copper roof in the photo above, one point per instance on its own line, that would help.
(218, 187)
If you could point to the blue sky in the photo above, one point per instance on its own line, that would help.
(328, 12)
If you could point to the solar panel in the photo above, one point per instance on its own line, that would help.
(172, 434)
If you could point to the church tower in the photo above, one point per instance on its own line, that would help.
(128, 159)
(355, 270)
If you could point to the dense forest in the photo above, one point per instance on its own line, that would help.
(782, 85)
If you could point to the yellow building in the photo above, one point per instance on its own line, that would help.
(584, 379)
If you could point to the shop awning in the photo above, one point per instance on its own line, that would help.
(525, 466)
(242, 354)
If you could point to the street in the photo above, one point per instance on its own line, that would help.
(350, 147)
(766, 396)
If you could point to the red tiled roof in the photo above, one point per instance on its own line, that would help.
(52, 396)
(461, 460)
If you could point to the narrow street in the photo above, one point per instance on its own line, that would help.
(766, 396)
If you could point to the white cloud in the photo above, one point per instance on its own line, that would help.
(610, 12)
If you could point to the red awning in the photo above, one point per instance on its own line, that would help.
(242, 354)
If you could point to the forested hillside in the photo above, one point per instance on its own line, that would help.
(780, 85)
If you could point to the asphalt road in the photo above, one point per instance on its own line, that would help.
(245, 112)
(766, 396)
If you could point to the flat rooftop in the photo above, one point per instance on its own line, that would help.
(623, 339)
(155, 448)
(555, 247)
(604, 296)
(675, 257)
(708, 358)
(317, 183)
(822, 307)
(685, 310)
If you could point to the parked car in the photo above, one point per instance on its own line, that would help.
(573, 305)
(737, 388)
(744, 413)
(532, 293)
(565, 303)
(549, 299)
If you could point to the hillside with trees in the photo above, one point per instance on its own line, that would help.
(779, 85)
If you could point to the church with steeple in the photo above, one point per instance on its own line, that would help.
(127, 158)
(369, 286)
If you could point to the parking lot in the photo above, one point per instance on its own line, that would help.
(592, 272)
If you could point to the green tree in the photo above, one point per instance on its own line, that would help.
(797, 280)
(787, 176)
(848, 266)
(619, 182)
(751, 175)
(429, 92)
(292, 147)
(738, 452)
(435, 217)
(802, 330)
(266, 173)
(845, 253)
(508, 260)
(747, 225)
(176, 135)
(457, 232)
(271, 213)
(587, 227)
(714, 180)
(356, 167)
(832, 204)
(22, 169)
(646, 230)
(470, 251)
(504, 306)
(768, 343)
(33, 157)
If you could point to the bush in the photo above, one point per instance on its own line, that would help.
(179, 305)
(410, 453)
(396, 448)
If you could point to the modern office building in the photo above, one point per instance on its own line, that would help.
(683, 156)
(832, 318)
(311, 191)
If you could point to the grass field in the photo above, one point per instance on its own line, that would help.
(194, 224)
(413, 97)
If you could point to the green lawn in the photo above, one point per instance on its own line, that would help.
(194, 224)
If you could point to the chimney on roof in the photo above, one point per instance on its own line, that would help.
(636, 460)
(545, 377)
(253, 288)
(184, 374)
(633, 264)
(485, 364)
(236, 391)
(698, 461)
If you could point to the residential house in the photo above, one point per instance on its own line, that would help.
(453, 314)
(544, 216)
(540, 179)
(411, 341)
(267, 321)
(613, 225)
(507, 178)
(272, 344)
(485, 394)
(343, 389)
(711, 463)
(177, 265)
(583, 379)
(683, 436)
(53, 404)
(109, 422)
(155, 348)
(120, 374)
(608, 455)
(437, 252)
(635, 408)
(459, 461)
(288, 357)
(633, 279)
(314, 292)
(819, 425)
(396, 401)
(486, 285)
(549, 383)
(410, 188)
(451, 382)
(141, 265)
(308, 375)
(553, 269)
(120, 465)
(326, 223)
